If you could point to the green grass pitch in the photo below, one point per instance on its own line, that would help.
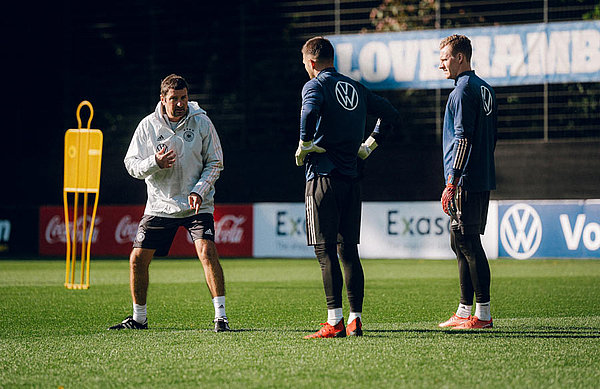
(546, 315)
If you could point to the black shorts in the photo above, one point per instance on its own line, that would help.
(155, 232)
(472, 210)
(333, 209)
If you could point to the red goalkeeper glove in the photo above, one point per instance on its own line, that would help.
(448, 203)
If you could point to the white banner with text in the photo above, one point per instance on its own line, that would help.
(389, 230)
(502, 55)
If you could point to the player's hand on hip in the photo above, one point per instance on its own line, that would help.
(195, 201)
(165, 159)
(367, 148)
(304, 148)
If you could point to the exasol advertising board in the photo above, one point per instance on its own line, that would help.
(280, 231)
(415, 230)
(389, 230)
(549, 229)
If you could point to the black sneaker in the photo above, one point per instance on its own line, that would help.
(130, 324)
(221, 324)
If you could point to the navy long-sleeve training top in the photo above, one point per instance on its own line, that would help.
(334, 112)
(470, 133)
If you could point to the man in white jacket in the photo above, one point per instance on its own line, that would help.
(177, 151)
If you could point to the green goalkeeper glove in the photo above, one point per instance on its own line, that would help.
(367, 148)
(304, 148)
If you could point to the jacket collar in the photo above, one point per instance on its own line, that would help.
(193, 110)
(467, 73)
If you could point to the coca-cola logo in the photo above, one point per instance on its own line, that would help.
(56, 232)
(229, 229)
(126, 230)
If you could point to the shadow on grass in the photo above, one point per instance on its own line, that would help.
(543, 332)
(549, 333)
(273, 330)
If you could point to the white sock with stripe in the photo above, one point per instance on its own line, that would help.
(219, 304)
(464, 310)
(334, 316)
(139, 313)
(482, 311)
(354, 315)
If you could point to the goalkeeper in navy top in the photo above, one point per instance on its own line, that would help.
(332, 129)
(469, 140)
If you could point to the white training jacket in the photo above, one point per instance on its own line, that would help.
(199, 161)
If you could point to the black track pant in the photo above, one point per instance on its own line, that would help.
(473, 267)
(327, 254)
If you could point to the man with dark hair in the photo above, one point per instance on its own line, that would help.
(332, 127)
(177, 151)
(469, 140)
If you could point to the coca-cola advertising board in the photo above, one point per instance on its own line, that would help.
(115, 228)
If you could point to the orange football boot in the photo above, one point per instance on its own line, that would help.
(474, 324)
(454, 321)
(329, 331)
(354, 328)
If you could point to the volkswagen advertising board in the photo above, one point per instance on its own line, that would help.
(549, 229)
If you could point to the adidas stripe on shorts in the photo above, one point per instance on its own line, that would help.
(333, 209)
(155, 232)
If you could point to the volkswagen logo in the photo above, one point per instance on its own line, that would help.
(521, 231)
(488, 100)
(346, 95)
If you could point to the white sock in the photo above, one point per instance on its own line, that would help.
(354, 315)
(482, 311)
(139, 313)
(219, 304)
(464, 310)
(334, 316)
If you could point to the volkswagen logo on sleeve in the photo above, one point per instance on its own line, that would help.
(488, 100)
(521, 231)
(346, 95)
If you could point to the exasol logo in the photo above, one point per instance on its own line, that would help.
(411, 225)
(289, 225)
(521, 231)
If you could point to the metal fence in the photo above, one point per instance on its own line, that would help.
(545, 112)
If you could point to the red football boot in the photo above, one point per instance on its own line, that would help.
(354, 328)
(454, 321)
(329, 331)
(474, 324)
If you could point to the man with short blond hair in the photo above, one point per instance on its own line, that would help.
(469, 140)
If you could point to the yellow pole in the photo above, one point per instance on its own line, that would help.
(83, 236)
(75, 225)
(87, 279)
(68, 235)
